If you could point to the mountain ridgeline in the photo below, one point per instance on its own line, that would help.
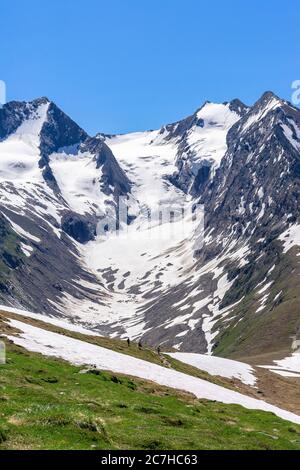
(237, 295)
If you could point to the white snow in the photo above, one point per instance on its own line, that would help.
(22, 187)
(288, 367)
(27, 250)
(262, 302)
(265, 288)
(218, 366)
(290, 238)
(260, 192)
(223, 285)
(144, 253)
(20, 151)
(272, 104)
(81, 353)
(277, 296)
(78, 180)
(149, 257)
(146, 160)
(209, 141)
(285, 373)
(60, 322)
(20, 231)
(293, 135)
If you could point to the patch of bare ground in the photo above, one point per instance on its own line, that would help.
(273, 388)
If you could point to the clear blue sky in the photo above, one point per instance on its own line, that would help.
(122, 65)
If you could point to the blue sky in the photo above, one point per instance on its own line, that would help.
(124, 65)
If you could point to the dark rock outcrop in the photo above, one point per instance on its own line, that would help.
(80, 227)
(113, 179)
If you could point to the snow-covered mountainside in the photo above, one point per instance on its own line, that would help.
(237, 293)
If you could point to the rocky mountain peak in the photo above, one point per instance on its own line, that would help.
(202, 142)
(16, 113)
(59, 131)
(41, 100)
(238, 106)
(267, 97)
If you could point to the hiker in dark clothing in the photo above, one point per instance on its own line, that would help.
(128, 342)
(140, 344)
(158, 350)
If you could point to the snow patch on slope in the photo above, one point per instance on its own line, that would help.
(290, 237)
(288, 367)
(272, 104)
(218, 366)
(81, 353)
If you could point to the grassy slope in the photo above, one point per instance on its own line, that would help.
(47, 404)
(120, 346)
(270, 330)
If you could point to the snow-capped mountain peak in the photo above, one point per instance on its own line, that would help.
(202, 143)
(23, 118)
(219, 114)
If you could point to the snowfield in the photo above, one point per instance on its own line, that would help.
(138, 260)
(209, 141)
(218, 366)
(80, 353)
(81, 191)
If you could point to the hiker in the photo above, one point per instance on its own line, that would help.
(140, 344)
(158, 350)
(128, 342)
